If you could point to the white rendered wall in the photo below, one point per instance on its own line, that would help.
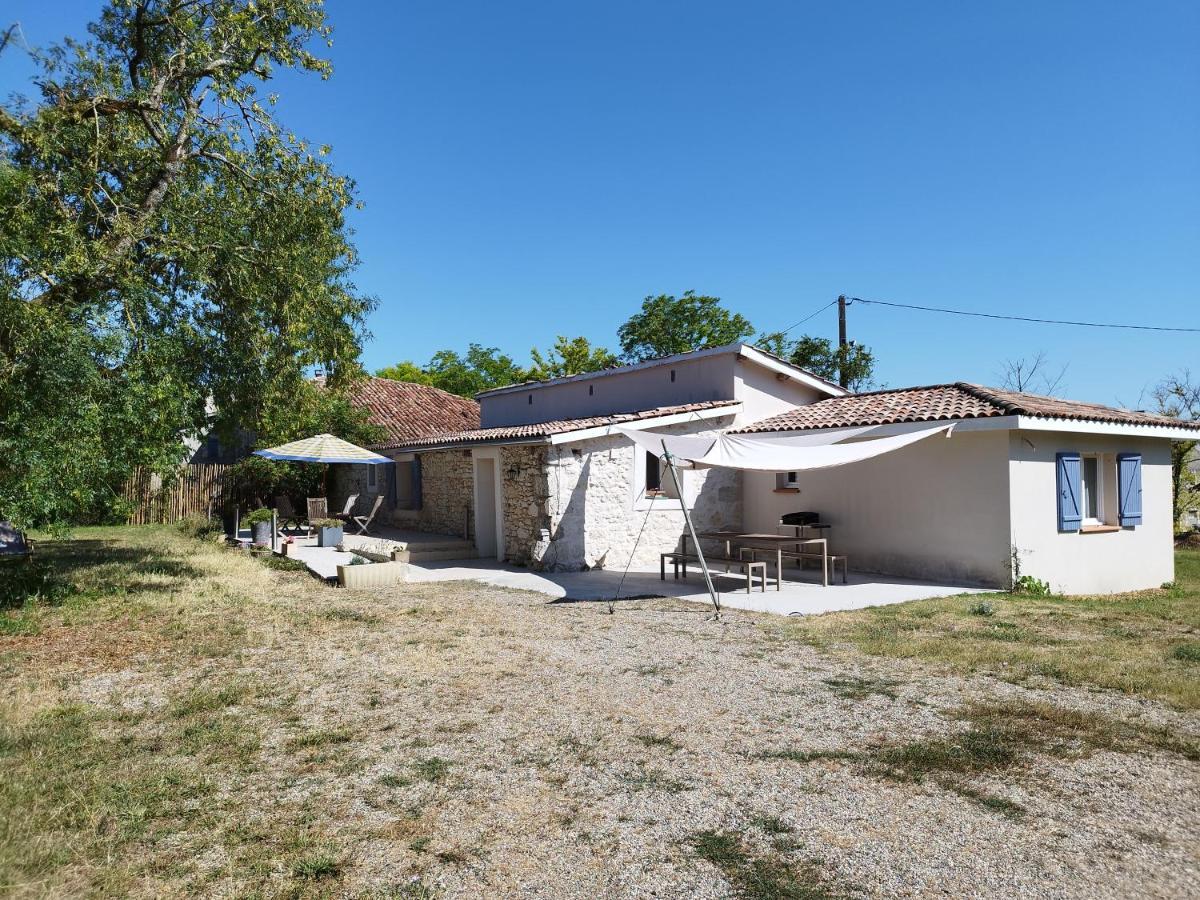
(764, 394)
(593, 495)
(937, 509)
(1073, 563)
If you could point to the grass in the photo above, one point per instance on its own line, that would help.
(1000, 738)
(1141, 643)
(855, 688)
(761, 875)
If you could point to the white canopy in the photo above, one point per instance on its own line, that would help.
(776, 453)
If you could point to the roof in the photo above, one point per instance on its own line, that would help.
(746, 350)
(539, 430)
(940, 402)
(409, 411)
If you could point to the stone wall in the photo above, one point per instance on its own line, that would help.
(447, 495)
(526, 522)
(345, 480)
(594, 522)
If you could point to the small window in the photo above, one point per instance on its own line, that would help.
(591, 389)
(786, 481)
(658, 480)
(372, 478)
(531, 399)
(672, 374)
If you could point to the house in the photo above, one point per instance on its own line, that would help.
(405, 412)
(1075, 494)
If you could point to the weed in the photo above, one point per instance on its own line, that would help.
(855, 688)
(981, 608)
(761, 876)
(771, 825)
(1031, 587)
(321, 864)
(346, 614)
(320, 738)
(1189, 652)
(654, 780)
(394, 781)
(654, 741)
(431, 769)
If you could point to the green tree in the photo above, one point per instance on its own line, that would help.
(821, 357)
(667, 325)
(405, 370)
(1178, 396)
(480, 369)
(570, 356)
(166, 243)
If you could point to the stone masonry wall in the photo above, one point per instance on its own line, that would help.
(526, 522)
(447, 495)
(591, 506)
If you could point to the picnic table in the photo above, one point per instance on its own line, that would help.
(777, 542)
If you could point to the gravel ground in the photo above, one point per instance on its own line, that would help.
(490, 743)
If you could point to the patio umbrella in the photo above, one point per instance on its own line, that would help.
(322, 448)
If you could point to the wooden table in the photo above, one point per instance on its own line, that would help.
(776, 541)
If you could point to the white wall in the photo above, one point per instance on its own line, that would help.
(1125, 560)
(764, 394)
(937, 509)
(593, 487)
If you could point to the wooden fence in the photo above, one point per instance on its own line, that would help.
(197, 488)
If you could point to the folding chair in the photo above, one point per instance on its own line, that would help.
(364, 522)
(285, 513)
(347, 511)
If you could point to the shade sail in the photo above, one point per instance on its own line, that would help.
(778, 453)
(322, 448)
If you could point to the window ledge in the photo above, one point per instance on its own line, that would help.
(1099, 529)
(787, 490)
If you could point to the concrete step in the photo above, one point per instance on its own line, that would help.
(421, 553)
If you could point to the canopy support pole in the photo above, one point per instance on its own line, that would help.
(687, 517)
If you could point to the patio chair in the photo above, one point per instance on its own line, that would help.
(318, 508)
(348, 510)
(364, 522)
(286, 513)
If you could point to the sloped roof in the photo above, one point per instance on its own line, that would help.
(537, 430)
(940, 402)
(408, 411)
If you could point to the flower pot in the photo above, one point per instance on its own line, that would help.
(329, 537)
(229, 521)
(261, 533)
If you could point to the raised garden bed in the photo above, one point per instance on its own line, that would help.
(377, 570)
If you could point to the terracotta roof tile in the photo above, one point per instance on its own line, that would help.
(546, 429)
(940, 402)
(408, 411)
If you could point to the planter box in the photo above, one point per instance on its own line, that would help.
(372, 575)
(261, 533)
(329, 537)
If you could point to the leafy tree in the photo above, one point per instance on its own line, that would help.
(821, 357)
(480, 369)
(667, 325)
(570, 356)
(166, 243)
(405, 370)
(1179, 396)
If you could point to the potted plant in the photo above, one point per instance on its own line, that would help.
(329, 532)
(259, 522)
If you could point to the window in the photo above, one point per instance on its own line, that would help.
(372, 478)
(786, 481)
(404, 485)
(213, 448)
(658, 480)
(1091, 490)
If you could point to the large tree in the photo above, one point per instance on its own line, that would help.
(570, 356)
(667, 325)
(853, 362)
(167, 248)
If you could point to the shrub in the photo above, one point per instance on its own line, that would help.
(981, 608)
(328, 523)
(255, 516)
(199, 527)
(1033, 587)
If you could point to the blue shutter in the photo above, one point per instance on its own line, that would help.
(416, 482)
(1129, 488)
(1069, 471)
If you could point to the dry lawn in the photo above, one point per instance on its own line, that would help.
(187, 721)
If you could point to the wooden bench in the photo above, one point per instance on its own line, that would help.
(800, 555)
(680, 561)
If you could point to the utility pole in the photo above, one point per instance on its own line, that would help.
(842, 343)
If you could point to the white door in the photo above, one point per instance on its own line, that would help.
(487, 519)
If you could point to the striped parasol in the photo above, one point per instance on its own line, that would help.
(322, 448)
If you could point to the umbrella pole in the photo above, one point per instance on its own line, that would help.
(712, 593)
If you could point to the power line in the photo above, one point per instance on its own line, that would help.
(806, 318)
(981, 315)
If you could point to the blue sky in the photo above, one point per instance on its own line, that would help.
(531, 169)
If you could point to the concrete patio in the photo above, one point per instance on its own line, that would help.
(797, 597)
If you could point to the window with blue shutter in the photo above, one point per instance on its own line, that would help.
(416, 482)
(1070, 517)
(1129, 488)
(392, 471)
